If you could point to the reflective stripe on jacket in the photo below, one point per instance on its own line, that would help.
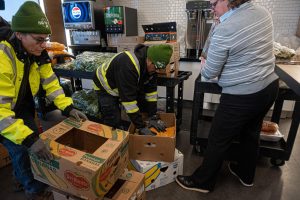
(11, 74)
(130, 107)
(151, 97)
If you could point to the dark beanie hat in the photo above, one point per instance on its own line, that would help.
(30, 19)
(160, 55)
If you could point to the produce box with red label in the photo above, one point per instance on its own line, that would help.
(88, 158)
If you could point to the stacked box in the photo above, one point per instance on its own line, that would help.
(161, 31)
(153, 148)
(159, 36)
(130, 186)
(158, 174)
(88, 158)
(4, 156)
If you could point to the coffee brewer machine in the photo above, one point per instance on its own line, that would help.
(199, 20)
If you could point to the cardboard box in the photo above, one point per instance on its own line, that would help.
(171, 69)
(161, 31)
(159, 36)
(130, 186)
(60, 195)
(4, 156)
(88, 158)
(153, 148)
(158, 174)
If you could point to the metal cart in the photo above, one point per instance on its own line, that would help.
(170, 82)
(280, 151)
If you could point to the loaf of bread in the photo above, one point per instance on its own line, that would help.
(269, 127)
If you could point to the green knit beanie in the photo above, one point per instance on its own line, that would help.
(30, 19)
(160, 55)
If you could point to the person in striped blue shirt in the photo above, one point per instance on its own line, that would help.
(240, 56)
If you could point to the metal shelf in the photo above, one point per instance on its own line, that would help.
(275, 150)
(163, 80)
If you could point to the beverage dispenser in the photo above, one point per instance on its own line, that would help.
(85, 21)
(199, 20)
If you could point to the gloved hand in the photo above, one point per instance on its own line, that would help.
(157, 124)
(78, 115)
(41, 150)
(146, 131)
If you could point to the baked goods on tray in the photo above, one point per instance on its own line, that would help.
(269, 128)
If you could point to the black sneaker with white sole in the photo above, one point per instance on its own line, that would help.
(233, 170)
(187, 183)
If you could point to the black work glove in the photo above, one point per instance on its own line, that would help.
(157, 124)
(78, 115)
(41, 150)
(146, 131)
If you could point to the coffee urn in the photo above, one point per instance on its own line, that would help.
(199, 21)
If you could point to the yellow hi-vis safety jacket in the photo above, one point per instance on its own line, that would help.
(11, 75)
(125, 76)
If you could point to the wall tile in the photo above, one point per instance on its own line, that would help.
(285, 14)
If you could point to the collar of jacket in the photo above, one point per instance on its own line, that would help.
(22, 54)
(140, 52)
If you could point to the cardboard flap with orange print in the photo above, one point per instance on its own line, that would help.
(88, 158)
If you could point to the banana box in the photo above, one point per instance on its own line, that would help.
(158, 174)
(153, 148)
(130, 186)
(88, 158)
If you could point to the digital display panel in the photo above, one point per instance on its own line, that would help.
(78, 14)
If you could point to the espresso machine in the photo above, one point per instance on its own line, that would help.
(199, 21)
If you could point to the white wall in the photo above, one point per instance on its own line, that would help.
(285, 14)
(11, 7)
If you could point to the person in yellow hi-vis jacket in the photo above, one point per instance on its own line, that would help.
(24, 65)
(130, 79)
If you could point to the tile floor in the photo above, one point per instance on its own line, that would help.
(271, 183)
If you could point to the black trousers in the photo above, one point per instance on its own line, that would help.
(110, 109)
(237, 116)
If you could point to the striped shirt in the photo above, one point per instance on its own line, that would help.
(241, 51)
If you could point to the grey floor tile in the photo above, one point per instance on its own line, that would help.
(271, 183)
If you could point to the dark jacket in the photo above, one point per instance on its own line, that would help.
(122, 74)
(5, 29)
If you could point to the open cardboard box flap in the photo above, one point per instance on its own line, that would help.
(88, 158)
(153, 148)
